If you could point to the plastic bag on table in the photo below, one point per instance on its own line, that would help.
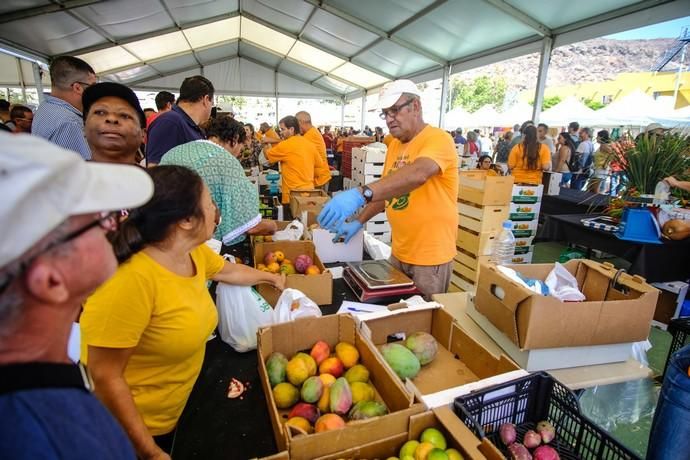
(563, 285)
(293, 304)
(241, 311)
(376, 249)
(293, 232)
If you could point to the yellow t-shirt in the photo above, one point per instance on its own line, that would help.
(168, 318)
(517, 163)
(322, 174)
(271, 133)
(424, 222)
(387, 139)
(298, 159)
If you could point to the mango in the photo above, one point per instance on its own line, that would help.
(408, 449)
(423, 345)
(367, 409)
(437, 454)
(400, 359)
(312, 388)
(320, 351)
(297, 371)
(454, 454)
(324, 403)
(309, 361)
(362, 392)
(347, 354)
(285, 395)
(341, 397)
(306, 411)
(357, 373)
(423, 450)
(329, 422)
(276, 365)
(287, 269)
(435, 437)
(327, 379)
(332, 366)
(301, 424)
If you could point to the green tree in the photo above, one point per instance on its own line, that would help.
(236, 102)
(477, 93)
(548, 102)
(592, 104)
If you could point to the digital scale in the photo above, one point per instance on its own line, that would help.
(377, 281)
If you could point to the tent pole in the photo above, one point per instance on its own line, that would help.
(38, 81)
(275, 89)
(444, 96)
(546, 47)
(342, 112)
(364, 111)
(20, 72)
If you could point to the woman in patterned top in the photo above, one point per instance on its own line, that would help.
(215, 160)
(249, 158)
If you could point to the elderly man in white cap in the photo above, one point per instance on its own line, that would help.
(418, 192)
(56, 210)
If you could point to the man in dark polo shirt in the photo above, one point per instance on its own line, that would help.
(181, 124)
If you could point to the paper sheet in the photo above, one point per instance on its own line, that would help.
(357, 308)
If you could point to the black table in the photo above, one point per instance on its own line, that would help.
(665, 262)
(571, 201)
(215, 427)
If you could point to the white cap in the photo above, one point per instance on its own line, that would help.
(652, 127)
(42, 184)
(391, 92)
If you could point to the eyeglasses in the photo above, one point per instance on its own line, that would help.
(108, 221)
(394, 110)
(84, 84)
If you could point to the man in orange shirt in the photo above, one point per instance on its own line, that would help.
(418, 191)
(297, 156)
(321, 176)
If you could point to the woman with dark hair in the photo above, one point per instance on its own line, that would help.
(484, 164)
(564, 149)
(215, 160)
(528, 159)
(144, 331)
(249, 157)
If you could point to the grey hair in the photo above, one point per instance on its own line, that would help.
(588, 131)
(13, 298)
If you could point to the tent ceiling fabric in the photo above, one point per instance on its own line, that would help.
(314, 48)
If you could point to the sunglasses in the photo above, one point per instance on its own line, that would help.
(108, 221)
(394, 110)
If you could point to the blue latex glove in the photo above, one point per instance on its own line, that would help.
(339, 208)
(347, 231)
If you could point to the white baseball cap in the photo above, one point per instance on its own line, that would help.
(653, 126)
(391, 92)
(42, 184)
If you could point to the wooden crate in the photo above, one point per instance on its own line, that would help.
(479, 188)
(462, 283)
(478, 244)
(482, 218)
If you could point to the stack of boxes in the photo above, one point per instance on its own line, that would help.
(349, 144)
(483, 206)
(367, 167)
(525, 204)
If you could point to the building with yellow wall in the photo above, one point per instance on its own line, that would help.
(656, 84)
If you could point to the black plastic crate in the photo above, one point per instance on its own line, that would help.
(529, 400)
(679, 329)
(269, 207)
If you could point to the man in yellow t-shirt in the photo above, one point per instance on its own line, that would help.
(297, 156)
(322, 174)
(418, 192)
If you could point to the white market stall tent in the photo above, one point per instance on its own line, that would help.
(457, 118)
(634, 109)
(569, 109)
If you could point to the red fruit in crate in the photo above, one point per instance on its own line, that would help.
(532, 439)
(519, 452)
(546, 453)
(302, 262)
(508, 433)
(546, 431)
(307, 411)
(320, 351)
(270, 257)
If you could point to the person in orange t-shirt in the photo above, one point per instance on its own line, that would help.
(529, 159)
(322, 174)
(297, 157)
(418, 191)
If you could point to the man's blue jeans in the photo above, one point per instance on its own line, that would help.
(669, 438)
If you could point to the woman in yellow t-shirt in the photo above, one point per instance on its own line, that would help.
(144, 331)
(529, 159)
(484, 164)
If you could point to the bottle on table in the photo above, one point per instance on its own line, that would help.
(503, 248)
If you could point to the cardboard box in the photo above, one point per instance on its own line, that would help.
(363, 179)
(525, 229)
(301, 334)
(525, 258)
(318, 288)
(281, 224)
(384, 237)
(524, 211)
(330, 252)
(307, 200)
(477, 187)
(482, 218)
(479, 244)
(462, 283)
(671, 298)
(609, 315)
(461, 364)
(470, 260)
(369, 155)
(523, 245)
(552, 182)
(457, 435)
(377, 227)
(527, 193)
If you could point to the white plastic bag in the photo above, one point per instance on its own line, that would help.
(293, 304)
(563, 285)
(293, 232)
(241, 311)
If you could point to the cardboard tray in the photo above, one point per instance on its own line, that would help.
(477, 187)
(535, 321)
(301, 334)
(307, 200)
(460, 360)
(318, 288)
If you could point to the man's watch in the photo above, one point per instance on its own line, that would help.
(367, 193)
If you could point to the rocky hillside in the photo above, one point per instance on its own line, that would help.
(593, 60)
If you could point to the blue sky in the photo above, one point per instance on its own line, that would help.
(669, 29)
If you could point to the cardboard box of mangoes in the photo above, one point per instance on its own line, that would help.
(435, 359)
(304, 270)
(327, 389)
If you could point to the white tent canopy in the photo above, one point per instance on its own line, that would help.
(457, 118)
(517, 113)
(569, 109)
(485, 116)
(634, 109)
